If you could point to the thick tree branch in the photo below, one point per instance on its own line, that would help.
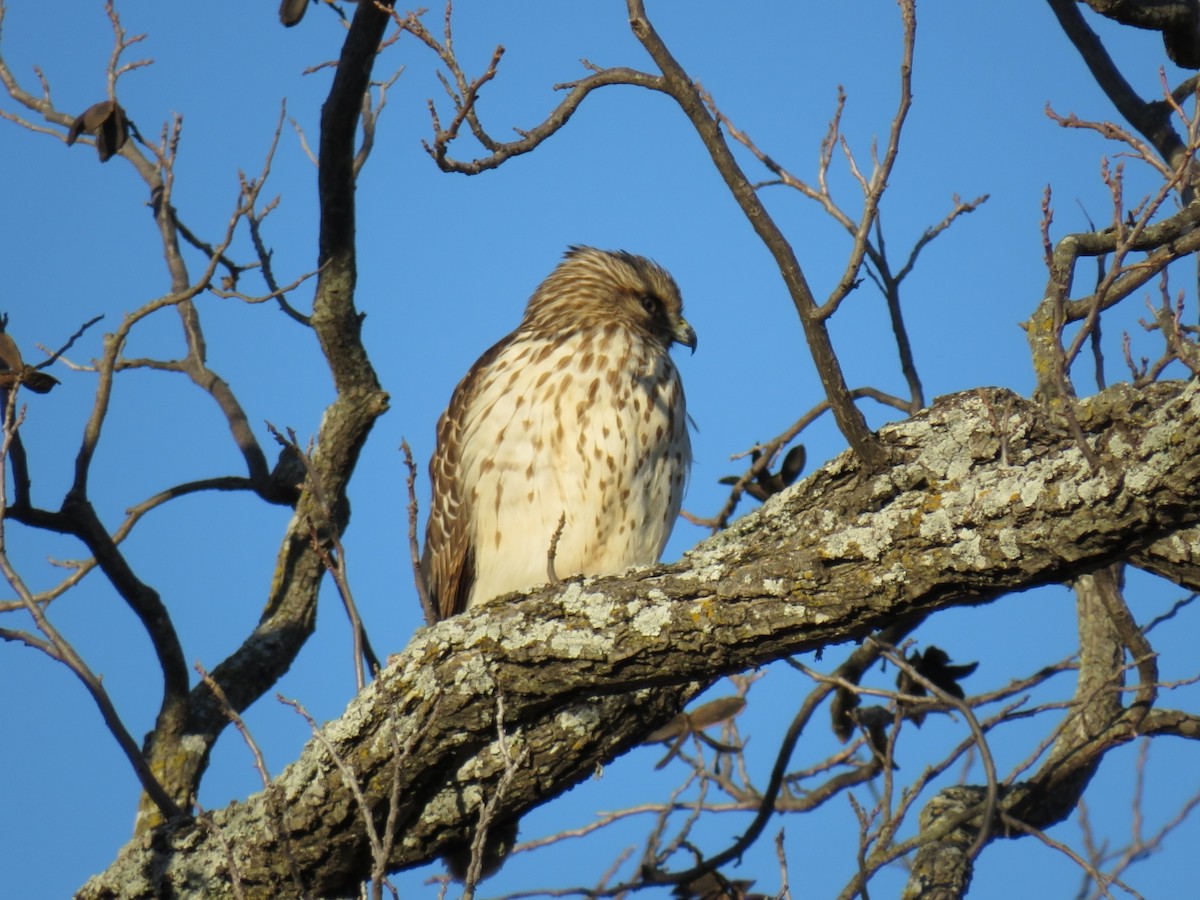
(1178, 20)
(594, 665)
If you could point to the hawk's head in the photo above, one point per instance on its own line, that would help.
(593, 288)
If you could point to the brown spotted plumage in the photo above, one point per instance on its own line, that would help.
(578, 416)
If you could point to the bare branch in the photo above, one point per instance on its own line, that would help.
(431, 616)
(59, 648)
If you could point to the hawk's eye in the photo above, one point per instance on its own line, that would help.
(650, 303)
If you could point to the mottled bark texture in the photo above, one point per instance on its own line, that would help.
(1178, 20)
(984, 495)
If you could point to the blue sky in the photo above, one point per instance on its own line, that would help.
(446, 263)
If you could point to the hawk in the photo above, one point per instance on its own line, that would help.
(575, 419)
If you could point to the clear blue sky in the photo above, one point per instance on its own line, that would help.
(446, 263)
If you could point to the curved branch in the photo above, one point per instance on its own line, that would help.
(465, 94)
(531, 139)
(1178, 20)
(963, 817)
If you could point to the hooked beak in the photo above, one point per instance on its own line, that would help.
(685, 334)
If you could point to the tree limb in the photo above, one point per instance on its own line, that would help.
(595, 665)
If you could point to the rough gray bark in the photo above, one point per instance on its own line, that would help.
(985, 495)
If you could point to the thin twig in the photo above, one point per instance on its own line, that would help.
(552, 550)
(414, 550)
(323, 536)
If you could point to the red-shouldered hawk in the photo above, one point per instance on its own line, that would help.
(577, 416)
